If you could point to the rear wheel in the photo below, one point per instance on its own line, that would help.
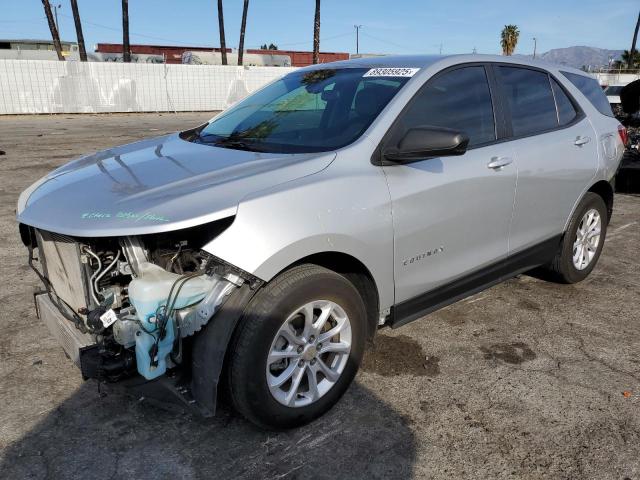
(582, 242)
(297, 347)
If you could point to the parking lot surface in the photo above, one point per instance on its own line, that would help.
(526, 380)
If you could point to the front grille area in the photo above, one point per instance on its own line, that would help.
(67, 335)
(60, 257)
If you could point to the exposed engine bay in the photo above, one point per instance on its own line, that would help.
(140, 298)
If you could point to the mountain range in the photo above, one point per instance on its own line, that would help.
(579, 56)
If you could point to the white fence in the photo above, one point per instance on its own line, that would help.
(40, 86)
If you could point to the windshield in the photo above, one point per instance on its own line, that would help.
(312, 111)
(613, 90)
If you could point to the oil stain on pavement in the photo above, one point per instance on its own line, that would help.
(514, 353)
(392, 356)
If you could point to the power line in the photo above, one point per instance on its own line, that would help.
(132, 33)
(390, 43)
(324, 39)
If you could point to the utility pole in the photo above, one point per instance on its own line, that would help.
(126, 48)
(243, 27)
(223, 41)
(440, 48)
(53, 28)
(76, 19)
(357, 27)
(316, 34)
(535, 46)
(632, 57)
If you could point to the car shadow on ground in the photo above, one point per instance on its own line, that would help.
(110, 435)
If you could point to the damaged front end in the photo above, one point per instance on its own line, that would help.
(121, 305)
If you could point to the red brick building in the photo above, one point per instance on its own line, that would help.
(173, 54)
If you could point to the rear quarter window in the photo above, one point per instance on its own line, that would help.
(591, 89)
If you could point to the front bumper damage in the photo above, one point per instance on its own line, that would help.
(173, 336)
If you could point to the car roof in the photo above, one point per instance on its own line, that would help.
(423, 61)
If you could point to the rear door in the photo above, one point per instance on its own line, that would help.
(555, 148)
(451, 215)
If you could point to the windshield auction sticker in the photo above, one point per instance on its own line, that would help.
(391, 72)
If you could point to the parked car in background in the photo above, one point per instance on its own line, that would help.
(613, 94)
(266, 247)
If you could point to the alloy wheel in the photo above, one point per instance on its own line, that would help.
(587, 239)
(309, 353)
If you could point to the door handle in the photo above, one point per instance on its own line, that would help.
(581, 141)
(497, 163)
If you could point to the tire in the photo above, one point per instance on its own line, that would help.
(563, 268)
(262, 335)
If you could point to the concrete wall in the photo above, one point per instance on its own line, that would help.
(39, 86)
(616, 78)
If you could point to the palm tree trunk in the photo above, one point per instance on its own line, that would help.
(223, 43)
(126, 48)
(76, 20)
(243, 27)
(53, 29)
(316, 34)
(632, 57)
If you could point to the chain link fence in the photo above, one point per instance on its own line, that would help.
(41, 86)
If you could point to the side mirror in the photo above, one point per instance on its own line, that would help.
(420, 143)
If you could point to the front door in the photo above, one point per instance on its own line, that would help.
(451, 215)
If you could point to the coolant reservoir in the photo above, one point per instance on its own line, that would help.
(147, 293)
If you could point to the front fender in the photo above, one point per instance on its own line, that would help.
(344, 208)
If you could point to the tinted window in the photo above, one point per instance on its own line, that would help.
(591, 89)
(566, 111)
(530, 100)
(613, 90)
(306, 111)
(459, 99)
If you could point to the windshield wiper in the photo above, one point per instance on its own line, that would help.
(237, 145)
(227, 142)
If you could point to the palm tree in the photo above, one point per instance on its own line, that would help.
(76, 20)
(126, 48)
(243, 27)
(53, 29)
(223, 43)
(634, 54)
(628, 60)
(509, 39)
(316, 34)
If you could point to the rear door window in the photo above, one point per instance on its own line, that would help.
(459, 99)
(591, 89)
(530, 100)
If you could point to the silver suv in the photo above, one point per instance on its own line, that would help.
(262, 250)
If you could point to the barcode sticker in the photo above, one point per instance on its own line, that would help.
(391, 72)
(108, 318)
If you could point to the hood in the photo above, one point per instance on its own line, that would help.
(155, 185)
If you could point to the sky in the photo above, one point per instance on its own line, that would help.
(400, 26)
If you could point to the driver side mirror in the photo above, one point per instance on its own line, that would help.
(420, 143)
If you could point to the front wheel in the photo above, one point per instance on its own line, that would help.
(297, 348)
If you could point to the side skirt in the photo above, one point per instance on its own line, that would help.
(415, 308)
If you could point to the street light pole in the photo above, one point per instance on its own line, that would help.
(357, 27)
(55, 14)
(535, 46)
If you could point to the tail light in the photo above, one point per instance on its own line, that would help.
(624, 136)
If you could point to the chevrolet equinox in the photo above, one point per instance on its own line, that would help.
(261, 251)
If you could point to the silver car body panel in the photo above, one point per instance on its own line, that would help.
(157, 185)
(288, 207)
(451, 216)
